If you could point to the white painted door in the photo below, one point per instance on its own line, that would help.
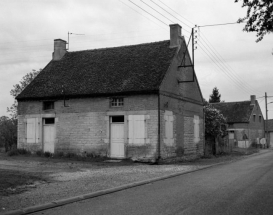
(117, 141)
(49, 138)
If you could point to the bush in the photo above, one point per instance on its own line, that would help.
(15, 151)
(23, 152)
(70, 155)
(48, 154)
(39, 153)
(59, 154)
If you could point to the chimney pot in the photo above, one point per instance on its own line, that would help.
(175, 35)
(59, 49)
(252, 99)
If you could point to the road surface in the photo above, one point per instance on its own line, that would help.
(241, 187)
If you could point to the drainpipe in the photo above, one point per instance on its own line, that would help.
(158, 145)
(204, 132)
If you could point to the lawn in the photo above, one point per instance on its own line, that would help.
(12, 182)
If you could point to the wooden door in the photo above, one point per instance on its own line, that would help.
(117, 141)
(49, 136)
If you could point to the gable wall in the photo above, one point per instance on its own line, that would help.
(184, 100)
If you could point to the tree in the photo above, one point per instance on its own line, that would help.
(259, 17)
(8, 132)
(215, 96)
(215, 122)
(18, 88)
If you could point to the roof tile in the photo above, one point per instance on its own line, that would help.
(136, 68)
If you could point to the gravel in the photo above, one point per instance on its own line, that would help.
(86, 180)
(66, 178)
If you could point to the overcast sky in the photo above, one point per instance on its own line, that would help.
(226, 57)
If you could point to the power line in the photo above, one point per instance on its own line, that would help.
(175, 12)
(148, 12)
(170, 13)
(227, 74)
(157, 11)
(229, 69)
(140, 13)
(231, 23)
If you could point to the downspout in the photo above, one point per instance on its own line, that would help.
(158, 144)
(204, 132)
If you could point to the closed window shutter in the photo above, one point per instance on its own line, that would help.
(196, 128)
(32, 130)
(168, 129)
(136, 129)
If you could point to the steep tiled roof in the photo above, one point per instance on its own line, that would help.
(127, 69)
(235, 111)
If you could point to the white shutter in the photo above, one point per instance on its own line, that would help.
(32, 130)
(168, 129)
(196, 129)
(137, 129)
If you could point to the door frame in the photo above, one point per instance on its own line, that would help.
(43, 133)
(124, 134)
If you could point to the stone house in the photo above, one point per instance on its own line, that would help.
(140, 101)
(245, 121)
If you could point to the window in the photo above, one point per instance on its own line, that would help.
(254, 117)
(48, 105)
(49, 121)
(118, 119)
(260, 118)
(117, 102)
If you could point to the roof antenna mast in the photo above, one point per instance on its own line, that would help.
(68, 38)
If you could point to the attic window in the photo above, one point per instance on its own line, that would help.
(117, 102)
(254, 117)
(260, 118)
(48, 105)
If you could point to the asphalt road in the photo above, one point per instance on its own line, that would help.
(242, 187)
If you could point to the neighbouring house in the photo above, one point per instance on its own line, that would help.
(269, 130)
(245, 122)
(140, 101)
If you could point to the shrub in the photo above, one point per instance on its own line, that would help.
(48, 154)
(39, 153)
(23, 152)
(70, 155)
(59, 154)
(13, 152)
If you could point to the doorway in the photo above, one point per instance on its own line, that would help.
(49, 134)
(117, 149)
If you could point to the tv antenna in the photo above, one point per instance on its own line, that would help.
(68, 38)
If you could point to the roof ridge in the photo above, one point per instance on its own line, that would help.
(229, 102)
(141, 44)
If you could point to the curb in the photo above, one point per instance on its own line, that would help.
(62, 202)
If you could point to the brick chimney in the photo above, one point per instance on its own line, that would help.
(252, 99)
(175, 35)
(59, 49)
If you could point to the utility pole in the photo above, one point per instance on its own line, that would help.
(266, 119)
(192, 32)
